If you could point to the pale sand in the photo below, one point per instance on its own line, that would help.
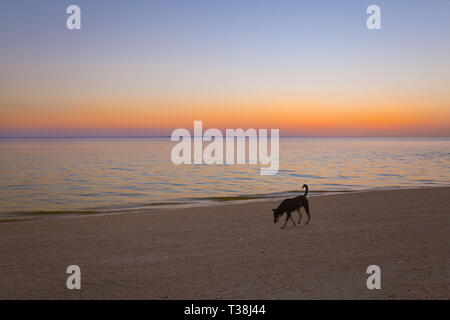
(235, 251)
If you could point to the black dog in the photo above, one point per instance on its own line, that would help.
(290, 205)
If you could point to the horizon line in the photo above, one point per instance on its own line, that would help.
(156, 137)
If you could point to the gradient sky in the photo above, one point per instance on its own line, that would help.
(140, 68)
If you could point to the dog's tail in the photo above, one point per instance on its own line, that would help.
(305, 186)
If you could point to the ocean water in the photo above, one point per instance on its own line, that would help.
(51, 176)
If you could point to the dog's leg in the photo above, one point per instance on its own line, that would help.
(285, 221)
(307, 210)
(300, 215)
(292, 219)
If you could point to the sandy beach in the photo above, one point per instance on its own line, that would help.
(235, 251)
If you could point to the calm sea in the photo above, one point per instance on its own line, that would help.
(62, 175)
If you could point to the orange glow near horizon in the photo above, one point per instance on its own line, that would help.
(292, 117)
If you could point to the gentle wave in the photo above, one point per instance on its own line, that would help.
(191, 202)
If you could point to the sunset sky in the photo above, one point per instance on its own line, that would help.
(143, 68)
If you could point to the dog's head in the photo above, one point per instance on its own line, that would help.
(276, 215)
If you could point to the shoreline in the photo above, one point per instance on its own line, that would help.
(29, 216)
(235, 251)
